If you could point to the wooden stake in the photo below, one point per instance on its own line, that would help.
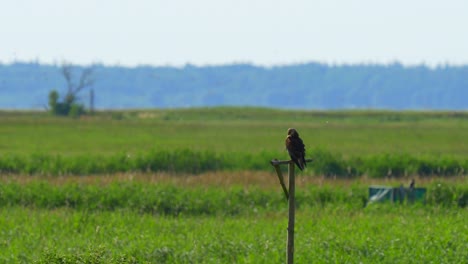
(280, 177)
(292, 212)
(290, 196)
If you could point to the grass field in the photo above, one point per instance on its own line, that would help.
(109, 188)
(354, 133)
(377, 235)
(196, 219)
(344, 144)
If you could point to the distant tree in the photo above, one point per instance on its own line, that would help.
(86, 79)
(70, 106)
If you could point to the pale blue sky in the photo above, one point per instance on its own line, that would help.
(263, 32)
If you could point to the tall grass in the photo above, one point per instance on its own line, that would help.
(195, 162)
(168, 199)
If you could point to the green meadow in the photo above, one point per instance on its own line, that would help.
(139, 220)
(246, 130)
(196, 186)
(396, 235)
(343, 143)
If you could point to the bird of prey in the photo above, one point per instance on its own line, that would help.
(296, 148)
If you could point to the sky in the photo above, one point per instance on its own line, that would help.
(214, 32)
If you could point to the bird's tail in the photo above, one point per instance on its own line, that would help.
(300, 164)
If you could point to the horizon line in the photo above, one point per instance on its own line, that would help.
(234, 63)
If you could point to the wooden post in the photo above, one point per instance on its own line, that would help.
(290, 196)
(276, 164)
(292, 212)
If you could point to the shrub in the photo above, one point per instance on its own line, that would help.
(67, 108)
(76, 110)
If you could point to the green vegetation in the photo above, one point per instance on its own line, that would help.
(377, 235)
(66, 108)
(248, 130)
(188, 161)
(168, 199)
(69, 105)
(195, 186)
(343, 144)
(138, 222)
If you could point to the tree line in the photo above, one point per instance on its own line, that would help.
(305, 86)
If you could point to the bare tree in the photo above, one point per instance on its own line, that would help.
(86, 79)
(75, 83)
